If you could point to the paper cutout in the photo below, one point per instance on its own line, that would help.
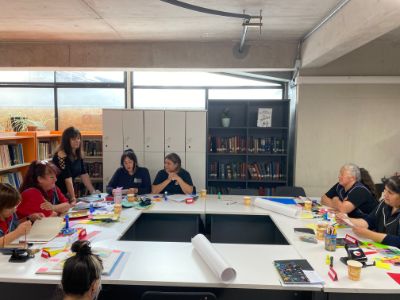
(395, 277)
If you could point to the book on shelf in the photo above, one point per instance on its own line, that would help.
(269, 170)
(229, 171)
(10, 155)
(93, 147)
(267, 145)
(94, 169)
(46, 149)
(14, 178)
(264, 118)
(230, 144)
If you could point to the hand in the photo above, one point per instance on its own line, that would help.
(24, 228)
(132, 191)
(46, 206)
(95, 192)
(72, 201)
(175, 177)
(171, 176)
(361, 231)
(340, 217)
(36, 216)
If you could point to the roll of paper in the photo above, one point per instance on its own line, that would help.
(213, 259)
(289, 210)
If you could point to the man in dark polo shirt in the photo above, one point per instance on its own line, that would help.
(349, 195)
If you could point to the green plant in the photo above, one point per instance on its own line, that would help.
(226, 113)
(20, 122)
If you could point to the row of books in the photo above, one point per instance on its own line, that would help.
(15, 179)
(93, 147)
(267, 145)
(270, 170)
(46, 149)
(236, 170)
(10, 155)
(238, 144)
(94, 169)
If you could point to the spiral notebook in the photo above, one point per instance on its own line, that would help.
(297, 271)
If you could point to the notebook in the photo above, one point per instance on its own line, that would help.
(110, 259)
(296, 271)
(44, 230)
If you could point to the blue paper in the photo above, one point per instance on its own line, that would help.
(281, 200)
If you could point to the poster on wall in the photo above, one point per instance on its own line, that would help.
(264, 117)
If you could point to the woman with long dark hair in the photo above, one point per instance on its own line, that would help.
(39, 192)
(132, 178)
(69, 159)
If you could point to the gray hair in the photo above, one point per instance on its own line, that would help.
(354, 170)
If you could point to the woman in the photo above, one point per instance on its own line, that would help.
(10, 227)
(81, 276)
(350, 195)
(173, 179)
(69, 159)
(132, 178)
(40, 193)
(383, 224)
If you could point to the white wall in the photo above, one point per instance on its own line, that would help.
(340, 123)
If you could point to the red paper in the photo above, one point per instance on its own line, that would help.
(395, 277)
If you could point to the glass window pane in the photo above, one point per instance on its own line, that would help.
(90, 76)
(82, 107)
(26, 76)
(169, 99)
(248, 94)
(34, 105)
(192, 79)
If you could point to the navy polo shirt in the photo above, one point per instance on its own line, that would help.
(382, 220)
(361, 197)
(140, 180)
(173, 187)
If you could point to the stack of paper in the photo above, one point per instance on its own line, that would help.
(44, 230)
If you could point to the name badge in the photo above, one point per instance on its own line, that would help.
(137, 180)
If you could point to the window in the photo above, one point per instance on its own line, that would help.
(32, 104)
(249, 94)
(90, 76)
(26, 76)
(82, 107)
(169, 98)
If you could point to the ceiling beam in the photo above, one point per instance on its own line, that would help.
(353, 26)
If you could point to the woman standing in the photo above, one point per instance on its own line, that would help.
(173, 179)
(132, 178)
(69, 159)
(39, 192)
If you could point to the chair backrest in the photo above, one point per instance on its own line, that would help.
(292, 191)
(239, 191)
(154, 295)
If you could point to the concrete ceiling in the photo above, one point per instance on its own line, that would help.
(153, 20)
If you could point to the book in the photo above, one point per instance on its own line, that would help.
(297, 271)
(44, 230)
(264, 118)
(109, 257)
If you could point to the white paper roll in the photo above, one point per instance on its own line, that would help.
(213, 259)
(289, 210)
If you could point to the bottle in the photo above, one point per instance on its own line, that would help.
(219, 196)
(165, 195)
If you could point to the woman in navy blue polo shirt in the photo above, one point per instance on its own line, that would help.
(132, 178)
(383, 224)
(173, 179)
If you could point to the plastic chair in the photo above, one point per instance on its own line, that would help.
(153, 295)
(291, 191)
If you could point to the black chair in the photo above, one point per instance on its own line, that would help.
(292, 191)
(152, 295)
(248, 192)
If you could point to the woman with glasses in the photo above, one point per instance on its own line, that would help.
(39, 192)
(69, 159)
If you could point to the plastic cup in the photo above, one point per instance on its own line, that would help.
(203, 193)
(354, 269)
(131, 197)
(307, 204)
(247, 200)
(330, 242)
(320, 231)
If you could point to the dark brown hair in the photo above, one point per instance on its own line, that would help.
(366, 179)
(131, 155)
(393, 184)
(67, 135)
(38, 168)
(80, 270)
(9, 196)
(175, 159)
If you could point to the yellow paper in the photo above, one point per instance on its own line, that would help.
(381, 265)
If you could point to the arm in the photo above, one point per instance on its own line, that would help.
(372, 235)
(343, 206)
(88, 184)
(21, 230)
(187, 187)
(330, 197)
(325, 200)
(157, 188)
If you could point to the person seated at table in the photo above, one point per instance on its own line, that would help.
(68, 158)
(383, 224)
(40, 193)
(350, 195)
(10, 227)
(173, 179)
(132, 178)
(81, 276)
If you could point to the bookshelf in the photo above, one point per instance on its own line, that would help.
(17, 150)
(244, 156)
(92, 145)
(47, 142)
